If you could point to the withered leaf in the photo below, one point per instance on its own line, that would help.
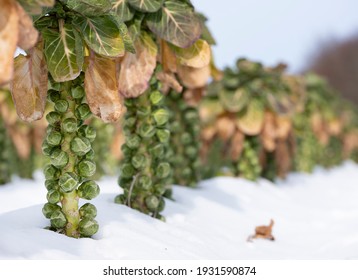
(283, 126)
(225, 126)
(194, 77)
(101, 88)
(9, 28)
(169, 81)
(251, 123)
(137, 69)
(168, 58)
(29, 86)
(237, 144)
(198, 55)
(28, 34)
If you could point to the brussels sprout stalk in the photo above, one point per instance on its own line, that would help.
(145, 171)
(68, 144)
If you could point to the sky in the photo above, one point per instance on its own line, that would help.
(273, 31)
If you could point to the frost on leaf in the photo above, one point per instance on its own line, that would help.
(9, 27)
(29, 86)
(101, 88)
(137, 69)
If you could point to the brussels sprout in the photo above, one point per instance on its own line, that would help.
(146, 130)
(88, 190)
(163, 170)
(54, 138)
(131, 122)
(120, 199)
(59, 158)
(53, 196)
(88, 227)
(83, 111)
(68, 182)
(156, 98)
(51, 184)
(157, 151)
(69, 125)
(186, 138)
(159, 188)
(127, 152)
(61, 106)
(51, 172)
(133, 142)
(191, 116)
(88, 210)
(163, 135)
(86, 168)
(139, 161)
(87, 132)
(53, 95)
(143, 111)
(144, 182)
(49, 208)
(90, 155)
(152, 202)
(191, 152)
(80, 146)
(78, 92)
(161, 116)
(129, 102)
(53, 118)
(161, 205)
(46, 148)
(58, 219)
(127, 170)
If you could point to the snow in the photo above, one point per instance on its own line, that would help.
(316, 217)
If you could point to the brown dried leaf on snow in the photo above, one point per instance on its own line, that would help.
(28, 34)
(264, 232)
(101, 88)
(29, 86)
(9, 28)
(137, 69)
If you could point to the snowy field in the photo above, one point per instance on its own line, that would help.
(316, 217)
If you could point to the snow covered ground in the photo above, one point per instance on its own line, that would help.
(316, 217)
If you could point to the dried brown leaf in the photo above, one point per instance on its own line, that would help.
(28, 34)
(283, 126)
(9, 28)
(29, 86)
(193, 96)
(101, 88)
(237, 144)
(225, 126)
(194, 77)
(169, 81)
(168, 58)
(137, 69)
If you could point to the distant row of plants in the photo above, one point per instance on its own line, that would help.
(123, 86)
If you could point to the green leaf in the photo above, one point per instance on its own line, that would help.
(127, 39)
(134, 26)
(64, 52)
(89, 7)
(101, 34)
(121, 9)
(148, 6)
(177, 23)
(206, 34)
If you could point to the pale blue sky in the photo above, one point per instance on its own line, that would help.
(276, 30)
